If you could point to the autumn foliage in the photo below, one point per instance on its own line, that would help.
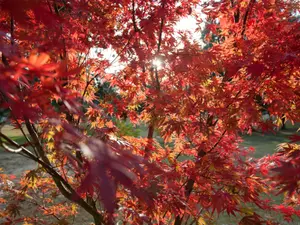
(196, 105)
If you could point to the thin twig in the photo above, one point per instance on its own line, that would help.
(9, 149)
(160, 29)
(216, 144)
(88, 83)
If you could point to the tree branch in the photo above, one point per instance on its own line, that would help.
(216, 144)
(151, 125)
(201, 153)
(237, 13)
(64, 56)
(249, 7)
(60, 182)
(4, 58)
(88, 83)
(136, 29)
(160, 29)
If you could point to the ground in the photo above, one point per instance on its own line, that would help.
(264, 144)
(14, 164)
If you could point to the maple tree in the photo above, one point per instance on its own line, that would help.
(199, 101)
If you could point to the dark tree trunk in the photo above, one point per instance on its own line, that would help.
(283, 123)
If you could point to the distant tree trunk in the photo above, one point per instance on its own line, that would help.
(283, 122)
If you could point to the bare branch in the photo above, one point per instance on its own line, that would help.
(160, 30)
(216, 144)
(60, 182)
(136, 29)
(249, 7)
(9, 149)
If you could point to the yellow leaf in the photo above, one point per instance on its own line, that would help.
(171, 157)
(207, 83)
(244, 4)
(25, 223)
(51, 157)
(73, 209)
(279, 122)
(201, 221)
(247, 211)
(133, 107)
(193, 98)
(177, 168)
(32, 180)
(50, 145)
(293, 107)
(28, 196)
(50, 135)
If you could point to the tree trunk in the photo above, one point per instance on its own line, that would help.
(189, 187)
(283, 123)
(150, 139)
(97, 219)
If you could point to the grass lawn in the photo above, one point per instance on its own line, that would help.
(264, 145)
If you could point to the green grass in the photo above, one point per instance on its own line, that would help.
(264, 144)
(14, 134)
(19, 139)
